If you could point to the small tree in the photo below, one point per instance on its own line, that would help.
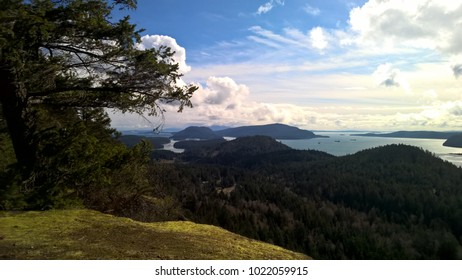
(71, 54)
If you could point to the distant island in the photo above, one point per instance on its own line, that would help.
(453, 138)
(412, 134)
(196, 132)
(277, 131)
(454, 141)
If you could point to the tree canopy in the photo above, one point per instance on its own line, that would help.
(62, 62)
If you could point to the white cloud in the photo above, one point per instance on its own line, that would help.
(318, 38)
(292, 39)
(155, 41)
(428, 24)
(313, 11)
(220, 91)
(388, 76)
(444, 115)
(272, 38)
(454, 108)
(263, 9)
(325, 92)
(268, 6)
(223, 101)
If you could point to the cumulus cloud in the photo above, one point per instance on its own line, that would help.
(219, 91)
(388, 76)
(268, 6)
(155, 41)
(318, 38)
(223, 101)
(430, 24)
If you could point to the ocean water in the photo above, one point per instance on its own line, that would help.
(343, 143)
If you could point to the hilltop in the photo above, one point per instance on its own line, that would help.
(86, 234)
(277, 131)
(195, 132)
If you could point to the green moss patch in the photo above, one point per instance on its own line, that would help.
(85, 234)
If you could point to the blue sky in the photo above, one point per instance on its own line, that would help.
(340, 64)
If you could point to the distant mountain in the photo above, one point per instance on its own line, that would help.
(195, 132)
(132, 140)
(219, 127)
(454, 141)
(412, 134)
(277, 131)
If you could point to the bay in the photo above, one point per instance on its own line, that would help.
(343, 143)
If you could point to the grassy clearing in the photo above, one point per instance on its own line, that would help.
(85, 234)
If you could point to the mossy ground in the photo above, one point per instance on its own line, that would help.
(85, 234)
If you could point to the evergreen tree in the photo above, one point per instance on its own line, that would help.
(61, 62)
(71, 54)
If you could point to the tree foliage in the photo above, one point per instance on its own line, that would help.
(61, 62)
(71, 54)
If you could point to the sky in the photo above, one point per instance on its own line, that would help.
(381, 65)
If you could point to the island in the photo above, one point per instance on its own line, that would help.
(197, 133)
(412, 134)
(454, 141)
(277, 131)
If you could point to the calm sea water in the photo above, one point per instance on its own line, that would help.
(341, 143)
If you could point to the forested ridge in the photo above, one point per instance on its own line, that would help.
(392, 202)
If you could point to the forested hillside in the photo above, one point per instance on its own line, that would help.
(393, 202)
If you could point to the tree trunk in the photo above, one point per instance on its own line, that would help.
(13, 99)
